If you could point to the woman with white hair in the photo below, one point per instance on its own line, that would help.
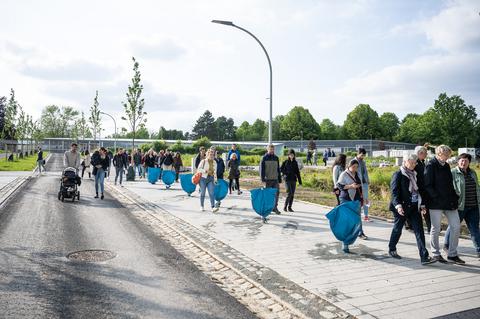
(406, 204)
(442, 200)
(422, 152)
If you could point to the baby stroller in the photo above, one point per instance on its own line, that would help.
(69, 185)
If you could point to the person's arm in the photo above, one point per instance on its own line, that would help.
(65, 159)
(282, 168)
(262, 166)
(238, 157)
(367, 179)
(395, 186)
(299, 176)
(430, 182)
(278, 170)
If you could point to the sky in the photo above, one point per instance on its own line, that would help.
(327, 56)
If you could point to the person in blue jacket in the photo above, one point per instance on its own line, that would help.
(270, 173)
(234, 150)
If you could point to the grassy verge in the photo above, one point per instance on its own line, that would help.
(24, 164)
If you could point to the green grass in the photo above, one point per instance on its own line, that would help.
(25, 164)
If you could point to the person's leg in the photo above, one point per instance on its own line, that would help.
(237, 182)
(121, 175)
(277, 194)
(427, 221)
(461, 216)
(230, 185)
(211, 191)
(436, 218)
(83, 170)
(117, 172)
(454, 224)
(417, 225)
(203, 187)
(102, 183)
(398, 223)
(97, 180)
(288, 190)
(472, 220)
(293, 187)
(365, 198)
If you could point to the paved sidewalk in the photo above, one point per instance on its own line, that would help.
(301, 247)
(7, 177)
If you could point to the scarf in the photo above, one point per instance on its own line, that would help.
(412, 177)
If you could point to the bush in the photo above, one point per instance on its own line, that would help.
(159, 145)
(256, 151)
(204, 141)
(178, 147)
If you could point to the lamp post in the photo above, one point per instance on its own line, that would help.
(230, 23)
(115, 124)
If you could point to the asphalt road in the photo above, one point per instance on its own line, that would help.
(147, 279)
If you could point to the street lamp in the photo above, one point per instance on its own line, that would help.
(115, 124)
(230, 23)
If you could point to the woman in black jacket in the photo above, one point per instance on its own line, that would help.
(405, 205)
(291, 173)
(100, 162)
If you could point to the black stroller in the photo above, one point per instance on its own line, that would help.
(69, 185)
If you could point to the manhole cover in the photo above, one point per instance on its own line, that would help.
(93, 255)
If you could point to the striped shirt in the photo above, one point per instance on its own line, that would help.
(470, 191)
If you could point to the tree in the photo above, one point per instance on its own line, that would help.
(408, 131)
(277, 133)
(389, 124)
(83, 128)
(94, 118)
(59, 121)
(328, 130)
(298, 122)
(10, 117)
(362, 123)
(258, 129)
(225, 129)
(456, 120)
(3, 101)
(21, 128)
(205, 126)
(163, 133)
(142, 133)
(243, 131)
(135, 116)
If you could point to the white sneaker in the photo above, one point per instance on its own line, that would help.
(214, 209)
(202, 209)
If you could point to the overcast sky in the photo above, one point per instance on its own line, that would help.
(327, 56)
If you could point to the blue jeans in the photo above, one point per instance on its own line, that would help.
(415, 218)
(118, 173)
(138, 168)
(99, 179)
(365, 197)
(207, 183)
(471, 217)
(343, 200)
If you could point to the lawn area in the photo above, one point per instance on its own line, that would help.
(25, 164)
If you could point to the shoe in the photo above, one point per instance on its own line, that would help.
(346, 250)
(285, 209)
(202, 209)
(428, 260)
(276, 211)
(96, 196)
(366, 219)
(239, 193)
(394, 254)
(456, 260)
(440, 259)
(445, 249)
(290, 209)
(214, 209)
(102, 197)
(363, 236)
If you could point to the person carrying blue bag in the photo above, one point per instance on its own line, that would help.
(350, 187)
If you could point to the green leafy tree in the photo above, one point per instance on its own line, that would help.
(297, 121)
(203, 141)
(205, 126)
(362, 123)
(134, 114)
(225, 129)
(277, 133)
(258, 129)
(10, 117)
(95, 119)
(328, 130)
(83, 128)
(58, 121)
(243, 131)
(142, 133)
(389, 124)
(3, 102)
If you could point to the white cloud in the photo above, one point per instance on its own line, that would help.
(162, 49)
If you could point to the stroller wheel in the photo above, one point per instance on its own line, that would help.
(63, 198)
(59, 195)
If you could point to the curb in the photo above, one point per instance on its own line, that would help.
(276, 296)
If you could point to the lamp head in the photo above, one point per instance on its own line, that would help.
(230, 23)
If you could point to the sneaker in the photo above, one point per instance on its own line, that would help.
(440, 259)
(214, 209)
(290, 209)
(393, 253)
(363, 236)
(456, 260)
(202, 209)
(428, 260)
(346, 250)
(367, 219)
(102, 197)
(276, 211)
(96, 196)
(239, 193)
(445, 249)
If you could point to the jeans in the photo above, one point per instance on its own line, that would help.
(471, 217)
(118, 172)
(290, 187)
(415, 219)
(99, 179)
(453, 224)
(365, 197)
(207, 183)
(274, 184)
(40, 165)
(138, 169)
(343, 200)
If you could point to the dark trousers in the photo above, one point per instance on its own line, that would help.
(471, 217)
(177, 172)
(237, 182)
(290, 186)
(414, 217)
(274, 184)
(428, 222)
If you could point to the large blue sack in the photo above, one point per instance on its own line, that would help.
(221, 190)
(345, 222)
(186, 182)
(263, 200)
(168, 177)
(153, 174)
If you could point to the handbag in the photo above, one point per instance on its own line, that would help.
(198, 175)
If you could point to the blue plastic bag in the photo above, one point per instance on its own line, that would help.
(221, 190)
(186, 182)
(345, 222)
(153, 174)
(263, 200)
(168, 177)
